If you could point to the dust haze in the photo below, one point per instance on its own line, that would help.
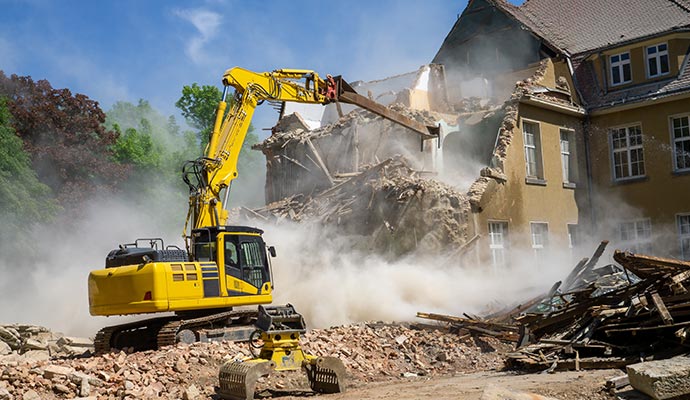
(331, 285)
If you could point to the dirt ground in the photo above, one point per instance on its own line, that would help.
(492, 384)
(560, 385)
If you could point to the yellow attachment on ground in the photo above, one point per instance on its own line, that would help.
(280, 327)
(283, 350)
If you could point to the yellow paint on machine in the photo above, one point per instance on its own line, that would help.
(162, 287)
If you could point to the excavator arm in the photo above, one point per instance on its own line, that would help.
(218, 168)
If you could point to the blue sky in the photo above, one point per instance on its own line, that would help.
(136, 49)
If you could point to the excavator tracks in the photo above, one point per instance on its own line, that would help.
(165, 331)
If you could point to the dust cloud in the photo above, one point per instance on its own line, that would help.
(45, 283)
(331, 285)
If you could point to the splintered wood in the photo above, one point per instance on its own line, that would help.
(390, 206)
(605, 317)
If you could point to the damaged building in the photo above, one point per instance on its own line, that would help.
(555, 124)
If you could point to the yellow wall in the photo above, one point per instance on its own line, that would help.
(519, 203)
(678, 47)
(661, 194)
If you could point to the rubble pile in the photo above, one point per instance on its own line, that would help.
(370, 351)
(391, 206)
(375, 351)
(603, 317)
(19, 342)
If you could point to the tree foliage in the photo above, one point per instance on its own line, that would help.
(23, 198)
(70, 148)
(198, 105)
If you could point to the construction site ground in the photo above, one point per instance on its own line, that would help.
(384, 361)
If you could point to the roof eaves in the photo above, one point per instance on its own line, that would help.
(589, 52)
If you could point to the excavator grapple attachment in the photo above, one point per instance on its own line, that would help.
(238, 379)
(326, 374)
(279, 328)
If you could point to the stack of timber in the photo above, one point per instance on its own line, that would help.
(608, 317)
(598, 317)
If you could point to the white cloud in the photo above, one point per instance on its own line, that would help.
(207, 23)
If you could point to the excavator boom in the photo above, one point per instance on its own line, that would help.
(230, 129)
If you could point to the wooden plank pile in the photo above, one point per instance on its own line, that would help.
(605, 317)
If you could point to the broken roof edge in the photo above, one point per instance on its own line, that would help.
(300, 131)
(495, 171)
(513, 12)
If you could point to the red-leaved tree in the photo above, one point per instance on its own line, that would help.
(65, 136)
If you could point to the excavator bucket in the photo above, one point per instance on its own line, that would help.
(238, 379)
(326, 374)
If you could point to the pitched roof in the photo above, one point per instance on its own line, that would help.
(578, 26)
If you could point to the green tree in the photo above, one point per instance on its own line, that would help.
(136, 148)
(24, 200)
(198, 105)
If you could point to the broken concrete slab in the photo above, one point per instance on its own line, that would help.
(5, 349)
(51, 371)
(75, 342)
(663, 379)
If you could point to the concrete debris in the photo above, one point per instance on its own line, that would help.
(371, 352)
(390, 206)
(664, 379)
(30, 343)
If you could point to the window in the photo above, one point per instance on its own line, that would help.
(498, 235)
(573, 237)
(657, 60)
(636, 236)
(627, 155)
(684, 235)
(620, 69)
(532, 139)
(567, 156)
(540, 239)
(680, 132)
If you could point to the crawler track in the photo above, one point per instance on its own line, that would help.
(158, 332)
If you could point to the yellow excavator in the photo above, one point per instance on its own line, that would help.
(223, 266)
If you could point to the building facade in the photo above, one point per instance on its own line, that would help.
(599, 131)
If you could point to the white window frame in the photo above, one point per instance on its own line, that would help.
(637, 243)
(539, 248)
(572, 235)
(684, 235)
(498, 243)
(656, 57)
(536, 148)
(617, 61)
(682, 139)
(567, 155)
(627, 151)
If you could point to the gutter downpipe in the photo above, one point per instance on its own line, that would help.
(586, 124)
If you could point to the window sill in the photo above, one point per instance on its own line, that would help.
(535, 181)
(630, 180)
(569, 185)
(681, 172)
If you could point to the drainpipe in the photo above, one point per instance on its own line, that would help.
(586, 125)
